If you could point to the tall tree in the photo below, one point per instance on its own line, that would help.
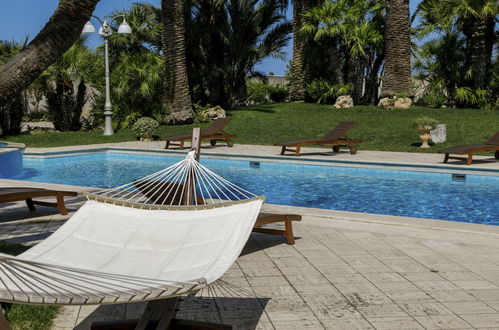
(137, 66)
(476, 19)
(177, 98)
(227, 39)
(349, 23)
(397, 76)
(61, 31)
(11, 114)
(298, 69)
(64, 85)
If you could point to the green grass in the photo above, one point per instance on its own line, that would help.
(388, 130)
(26, 317)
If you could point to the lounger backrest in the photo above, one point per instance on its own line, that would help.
(340, 130)
(494, 140)
(217, 125)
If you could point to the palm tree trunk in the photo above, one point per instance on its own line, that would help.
(480, 44)
(298, 70)
(397, 78)
(61, 31)
(177, 97)
(372, 81)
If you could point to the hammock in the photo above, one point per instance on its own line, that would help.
(167, 234)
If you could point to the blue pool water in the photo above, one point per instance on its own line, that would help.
(394, 192)
(11, 161)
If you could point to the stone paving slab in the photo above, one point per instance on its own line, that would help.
(340, 274)
(347, 270)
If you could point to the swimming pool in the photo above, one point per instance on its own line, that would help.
(433, 195)
(11, 159)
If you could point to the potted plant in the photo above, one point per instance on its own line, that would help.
(424, 125)
(145, 127)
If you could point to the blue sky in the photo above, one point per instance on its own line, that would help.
(20, 18)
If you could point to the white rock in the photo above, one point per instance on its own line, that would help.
(386, 103)
(343, 102)
(402, 102)
(214, 113)
(395, 102)
(28, 126)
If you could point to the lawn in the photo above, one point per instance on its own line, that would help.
(388, 130)
(26, 317)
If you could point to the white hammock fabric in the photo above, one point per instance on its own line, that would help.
(115, 249)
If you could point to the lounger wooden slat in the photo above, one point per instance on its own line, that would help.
(263, 218)
(337, 138)
(213, 133)
(15, 194)
(491, 144)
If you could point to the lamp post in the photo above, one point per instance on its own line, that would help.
(105, 31)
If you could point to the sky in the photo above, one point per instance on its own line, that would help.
(22, 18)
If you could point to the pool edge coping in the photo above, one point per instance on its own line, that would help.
(326, 162)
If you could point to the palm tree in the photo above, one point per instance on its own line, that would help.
(138, 68)
(476, 19)
(227, 39)
(349, 24)
(11, 114)
(177, 97)
(74, 68)
(298, 69)
(61, 31)
(397, 77)
(440, 64)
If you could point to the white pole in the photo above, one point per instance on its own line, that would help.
(108, 112)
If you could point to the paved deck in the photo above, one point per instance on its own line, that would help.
(346, 271)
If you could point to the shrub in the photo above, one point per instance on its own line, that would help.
(435, 99)
(425, 123)
(324, 92)
(145, 126)
(278, 93)
(262, 93)
(130, 119)
(257, 92)
(470, 97)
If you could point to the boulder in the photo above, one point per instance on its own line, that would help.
(395, 102)
(37, 126)
(386, 103)
(182, 117)
(402, 103)
(343, 102)
(213, 113)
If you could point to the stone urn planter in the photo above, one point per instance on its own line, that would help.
(424, 125)
(424, 136)
(146, 138)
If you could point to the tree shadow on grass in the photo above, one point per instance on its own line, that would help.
(259, 108)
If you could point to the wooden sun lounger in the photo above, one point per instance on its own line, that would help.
(213, 133)
(491, 144)
(337, 137)
(14, 194)
(267, 218)
(263, 218)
